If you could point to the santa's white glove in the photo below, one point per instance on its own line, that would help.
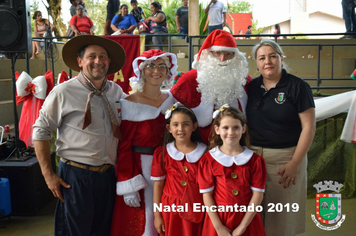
(132, 199)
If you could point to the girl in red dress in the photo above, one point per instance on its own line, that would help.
(174, 171)
(232, 178)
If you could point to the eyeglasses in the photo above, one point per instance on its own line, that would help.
(227, 55)
(152, 67)
(258, 103)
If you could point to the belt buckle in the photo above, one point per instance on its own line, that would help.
(103, 168)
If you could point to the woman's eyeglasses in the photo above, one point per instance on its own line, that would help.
(258, 103)
(152, 67)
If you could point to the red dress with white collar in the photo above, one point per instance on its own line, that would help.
(170, 169)
(232, 180)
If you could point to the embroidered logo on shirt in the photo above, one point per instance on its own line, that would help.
(281, 98)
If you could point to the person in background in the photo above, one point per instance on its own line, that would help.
(81, 24)
(84, 112)
(41, 25)
(73, 7)
(277, 30)
(81, 3)
(349, 16)
(182, 19)
(123, 23)
(240, 33)
(142, 129)
(158, 25)
(137, 11)
(217, 15)
(248, 31)
(111, 9)
(281, 120)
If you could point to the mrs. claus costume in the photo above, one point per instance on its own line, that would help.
(185, 90)
(142, 129)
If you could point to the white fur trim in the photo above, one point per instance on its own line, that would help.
(191, 157)
(158, 178)
(243, 101)
(195, 63)
(228, 161)
(223, 48)
(204, 112)
(206, 190)
(257, 189)
(146, 163)
(131, 185)
(139, 112)
(173, 70)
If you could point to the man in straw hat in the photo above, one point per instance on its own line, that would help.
(219, 74)
(83, 111)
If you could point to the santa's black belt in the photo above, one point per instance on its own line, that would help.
(146, 150)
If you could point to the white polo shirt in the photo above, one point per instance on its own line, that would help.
(215, 13)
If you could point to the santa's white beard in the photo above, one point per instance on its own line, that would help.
(221, 82)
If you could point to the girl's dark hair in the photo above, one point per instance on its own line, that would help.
(120, 18)
(35, 15)
(196, 137)
(133, 1)
(278, 28)
(157, 5)
(215, 140)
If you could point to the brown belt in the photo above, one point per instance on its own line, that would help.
(100, 169)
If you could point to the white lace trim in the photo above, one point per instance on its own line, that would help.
(139, 112)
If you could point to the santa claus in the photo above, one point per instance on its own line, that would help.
(219, 76)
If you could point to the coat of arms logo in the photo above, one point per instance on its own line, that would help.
(328, 206)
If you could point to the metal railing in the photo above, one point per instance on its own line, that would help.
(48, 49)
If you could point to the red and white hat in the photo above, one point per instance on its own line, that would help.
(218, 40)
(152, 55)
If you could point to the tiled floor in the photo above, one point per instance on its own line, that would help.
(42, 223)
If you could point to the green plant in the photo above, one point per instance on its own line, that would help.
(203, 18)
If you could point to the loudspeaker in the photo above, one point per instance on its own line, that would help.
(28, 189)
(15, 27)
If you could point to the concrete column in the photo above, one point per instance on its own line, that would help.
(193, 17)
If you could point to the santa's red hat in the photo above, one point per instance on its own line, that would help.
(218, 40)
(152, 55)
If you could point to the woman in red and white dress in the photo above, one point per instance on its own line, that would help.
(142, 129)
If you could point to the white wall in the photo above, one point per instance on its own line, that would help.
(322, 23)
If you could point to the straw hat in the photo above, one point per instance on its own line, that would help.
(115, 51)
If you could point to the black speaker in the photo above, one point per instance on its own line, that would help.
(15, 26)
(28, 189)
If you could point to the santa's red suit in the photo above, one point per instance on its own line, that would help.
(185, 92)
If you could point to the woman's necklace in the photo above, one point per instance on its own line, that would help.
(152, 97)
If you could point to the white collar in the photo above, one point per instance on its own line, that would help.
(191, 157)
(227, 161)
(134, 111)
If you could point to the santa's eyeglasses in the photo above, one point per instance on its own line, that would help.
(152, 67)
(227, 55)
